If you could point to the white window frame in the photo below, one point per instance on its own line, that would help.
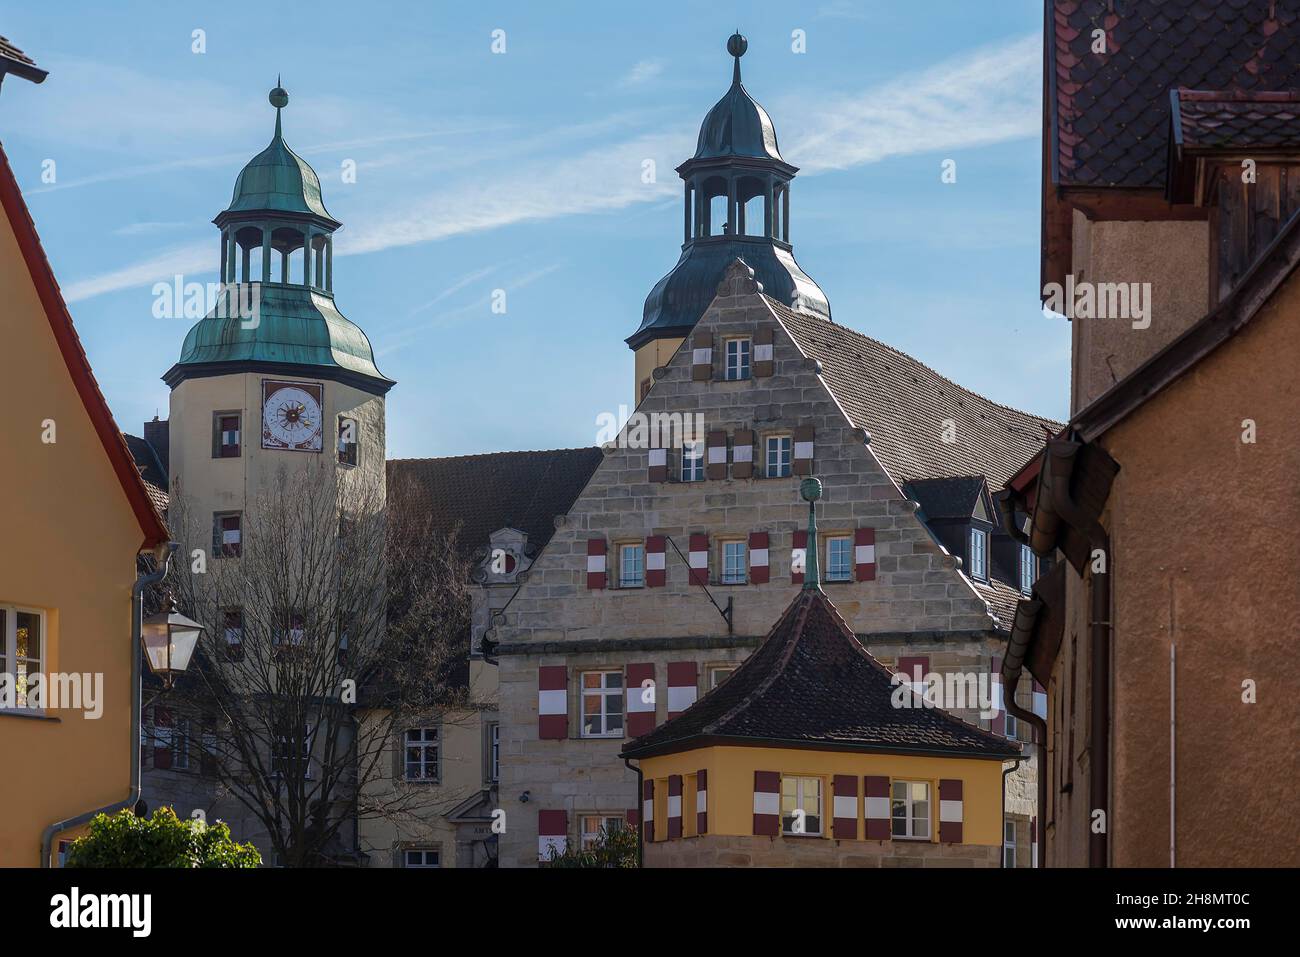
(715, 670)
(735, 562)
(801, 801)
(1008, 842)
(587, 838)
(739, 363)
(636, 551)
(608, 693)
(424, 853)
(909, 802)
(978, 549)
(693, 464)
(423, 744)
(846, 573)
(1009, 726)
(9, 654)
(1027, 569)
(779, 456)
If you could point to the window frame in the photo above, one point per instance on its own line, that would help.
(847, 576)
(624, 549)
(1028, 568)
(695, 463)
(423, 745)
(283, 757)
(587, 838)
(978, 570)
(423, 850)
(801, 804)
(492, 752)
(605, 693)
(9, 653)
(732, 577)
(714, 669)
(219, 547)
(910, 817)
(352, 450)
(219, 446)
(744, 358)
(1008, 846)
(784, 469)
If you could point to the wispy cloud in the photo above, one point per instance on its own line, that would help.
(642, 72)
(195, 258)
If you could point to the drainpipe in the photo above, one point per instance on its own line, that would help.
(640, 813)
(1002, 858)
(137, 611)
(1099, 666)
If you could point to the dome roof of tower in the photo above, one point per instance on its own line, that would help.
(737, 125)
(278, 179)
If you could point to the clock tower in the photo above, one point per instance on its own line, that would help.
(274, 375)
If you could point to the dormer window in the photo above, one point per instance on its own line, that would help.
(979, 554)
(739, 352)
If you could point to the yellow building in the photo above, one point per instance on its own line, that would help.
(75, 514)
(812, 753)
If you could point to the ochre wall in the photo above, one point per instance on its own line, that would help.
(731, 784)
(649, 357)
(71, 540)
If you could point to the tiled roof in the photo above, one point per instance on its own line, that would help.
(947, 497)
(1002, 599)
(903, 404)
(812, 682)
(1109, 112)
(1219, 120)
(151, 470)
(15, 61)
(484, 493)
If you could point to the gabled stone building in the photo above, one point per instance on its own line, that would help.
(674, 560)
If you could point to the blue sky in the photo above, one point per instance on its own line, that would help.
(522, 171)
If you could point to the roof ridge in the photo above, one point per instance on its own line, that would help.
(475, 455)
(899, 352)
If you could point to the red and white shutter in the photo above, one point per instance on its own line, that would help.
(914, 669)
(633, 817)
(674, 806)
(648, 808)
(552, 702)
(804, 436)
(742, 454)
(552, 831)
(844, 820)
(702, 357)
(798, 556)
(640, 711)
(683, 686)
(762, 352)
(656, 567)
(999, 722)
(702, 802)
(699, 558)
(658, 462)
(950, 811)
(864, 554)
(715, 463)
(758, 557)
(876, 792)
(596, 549)
(767, 803)
(162, 747)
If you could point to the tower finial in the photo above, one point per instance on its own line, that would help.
(736, 46)
(279, 99)
(811, 490)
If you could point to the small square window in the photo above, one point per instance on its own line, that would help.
(719, 674)
(693, 461)
(602, 704)
(778, 456)
(734, 571)
(227, 534)
(594, 824)
(738, 358)
(631, 566)
(801, 805)
(225, 435)
(348, 441)
(839, 559)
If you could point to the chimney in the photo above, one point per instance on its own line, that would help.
(155, 433)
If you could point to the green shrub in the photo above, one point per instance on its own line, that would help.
(612, 848)
(163, 840)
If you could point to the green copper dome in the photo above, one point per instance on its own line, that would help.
(278, 179)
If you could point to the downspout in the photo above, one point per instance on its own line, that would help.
(640, 813)
(137, 611)
(1002, 858)
(1099, 668)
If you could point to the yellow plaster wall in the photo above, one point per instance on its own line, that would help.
(649, 357)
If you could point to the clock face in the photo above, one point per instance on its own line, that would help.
(291, 416)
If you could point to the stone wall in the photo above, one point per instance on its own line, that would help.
(740, 851)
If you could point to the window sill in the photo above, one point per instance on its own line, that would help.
(600, 737)
(28, 713)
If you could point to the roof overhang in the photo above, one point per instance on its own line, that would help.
(696, 742)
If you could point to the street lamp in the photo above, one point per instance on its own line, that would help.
(169, 639)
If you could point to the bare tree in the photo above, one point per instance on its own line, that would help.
(332, 622)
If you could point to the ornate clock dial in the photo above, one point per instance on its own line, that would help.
(291, 419)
